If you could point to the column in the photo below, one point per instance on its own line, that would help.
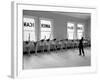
(37, 29)
(75, 31)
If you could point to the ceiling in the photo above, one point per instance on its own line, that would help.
(76, 15)
(72, 14)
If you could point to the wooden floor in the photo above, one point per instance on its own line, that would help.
(68, 58)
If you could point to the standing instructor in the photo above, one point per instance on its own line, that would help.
(81, 49)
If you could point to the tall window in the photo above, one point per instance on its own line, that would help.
(29, 29)
(80, 29)
(70, 31)
(46, 29)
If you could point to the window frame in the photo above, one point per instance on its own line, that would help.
(80, 32)
(32, 17)
(73, 31)
(52, 28)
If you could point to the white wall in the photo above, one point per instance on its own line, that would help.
(5, 39)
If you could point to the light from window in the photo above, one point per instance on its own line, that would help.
(80, 31)
(70, 31)
(29, 29)
(46, 32)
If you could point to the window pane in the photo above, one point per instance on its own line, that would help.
(26, 35)
(29, 24)
(79, 36)
(29, 36)
(70, 35)
(45, 25)
(45, 35)
(32, 36)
